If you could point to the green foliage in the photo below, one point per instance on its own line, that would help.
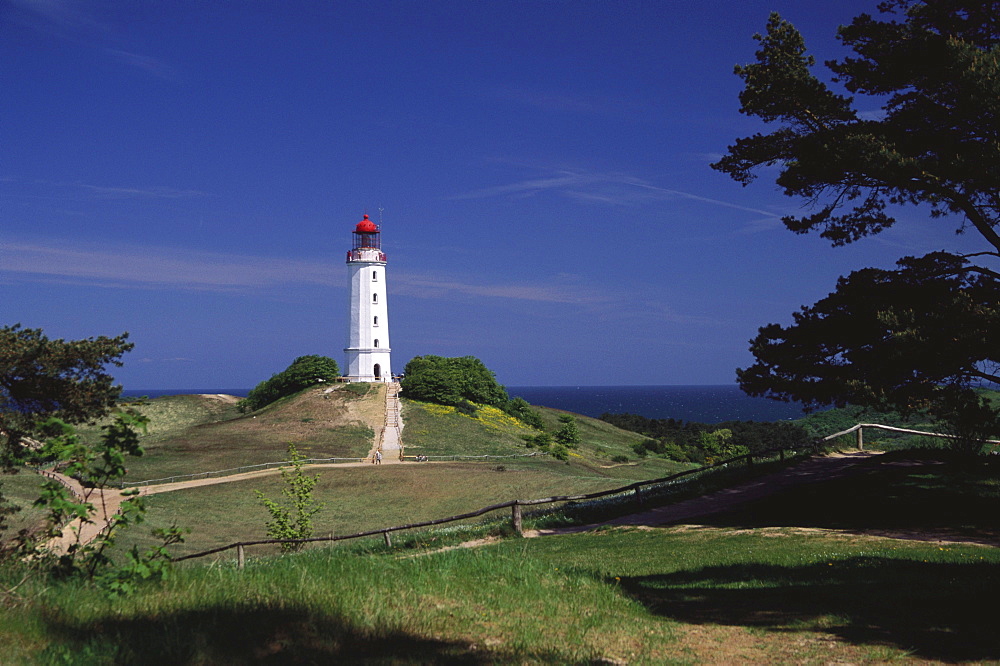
(293, 518)
(689, 441)
(569, 434)
(922, 336)
(466, 407)
(462, 382)
(99, 468)
(559, 451)
(909, 340)
(452, 381)
(305, 371)
(542, 440)
(152, 565)
(546, 443)
(718, 445)
(522, 411)
(41, 378)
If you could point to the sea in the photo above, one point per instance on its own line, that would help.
(702, 403)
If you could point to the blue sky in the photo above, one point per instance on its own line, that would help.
(191, 171)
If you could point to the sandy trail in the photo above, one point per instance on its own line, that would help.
(106, 505)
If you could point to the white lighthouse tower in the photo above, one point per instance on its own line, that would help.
(368, 336)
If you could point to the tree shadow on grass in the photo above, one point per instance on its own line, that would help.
(889, 498)
(937, 610)
(261, 634)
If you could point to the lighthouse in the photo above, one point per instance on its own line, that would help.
(368, 333)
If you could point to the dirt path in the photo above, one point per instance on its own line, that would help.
(106, 505)
(812, 470)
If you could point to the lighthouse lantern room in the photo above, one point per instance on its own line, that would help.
(368, 333)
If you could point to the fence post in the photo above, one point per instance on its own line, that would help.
(516, 509)
(781, 455)
(388, 539)
(749, 460)
(240, 556)
(861, 440)
(638, 495)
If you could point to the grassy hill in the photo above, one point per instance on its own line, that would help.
(192, 434)
(200, 433)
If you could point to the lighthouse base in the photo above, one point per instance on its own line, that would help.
(368, 365)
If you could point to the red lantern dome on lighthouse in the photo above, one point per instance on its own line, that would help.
(366, 226)
(366, 235)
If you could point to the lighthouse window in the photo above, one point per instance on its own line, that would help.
(376, 321)
(376, 342)
(374, 276)
(374, 298)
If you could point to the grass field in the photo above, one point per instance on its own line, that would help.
(21, 490)
(675, 596)
(808, 576)
(359, 499)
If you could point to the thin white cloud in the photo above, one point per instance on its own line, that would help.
(557, 182)
(63, 17)
(607, 188)
(437, 287)
(561, 101)
(157, 267)
(149, 267)
(76, 191)
(178, 359)
(138, 192)
(154, 66)
(74, 21)
(132, 267)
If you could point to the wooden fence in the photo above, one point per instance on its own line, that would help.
(858, 429)
(49, 474)
(514, 505)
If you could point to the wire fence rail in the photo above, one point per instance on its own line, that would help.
(305, 461)
(232, 471)
(515, 505)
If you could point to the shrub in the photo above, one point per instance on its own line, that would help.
(466, 407)
(449, 381)
(559, 452)
(542, 441)
(292, 519)
(305, 371)
(522, 411)
(569, 434)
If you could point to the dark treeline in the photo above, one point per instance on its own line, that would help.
(690, 441)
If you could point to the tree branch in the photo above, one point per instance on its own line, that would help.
(985, 375)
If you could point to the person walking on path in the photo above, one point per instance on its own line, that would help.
(378, 457)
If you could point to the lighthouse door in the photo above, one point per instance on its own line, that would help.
(378, 371)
